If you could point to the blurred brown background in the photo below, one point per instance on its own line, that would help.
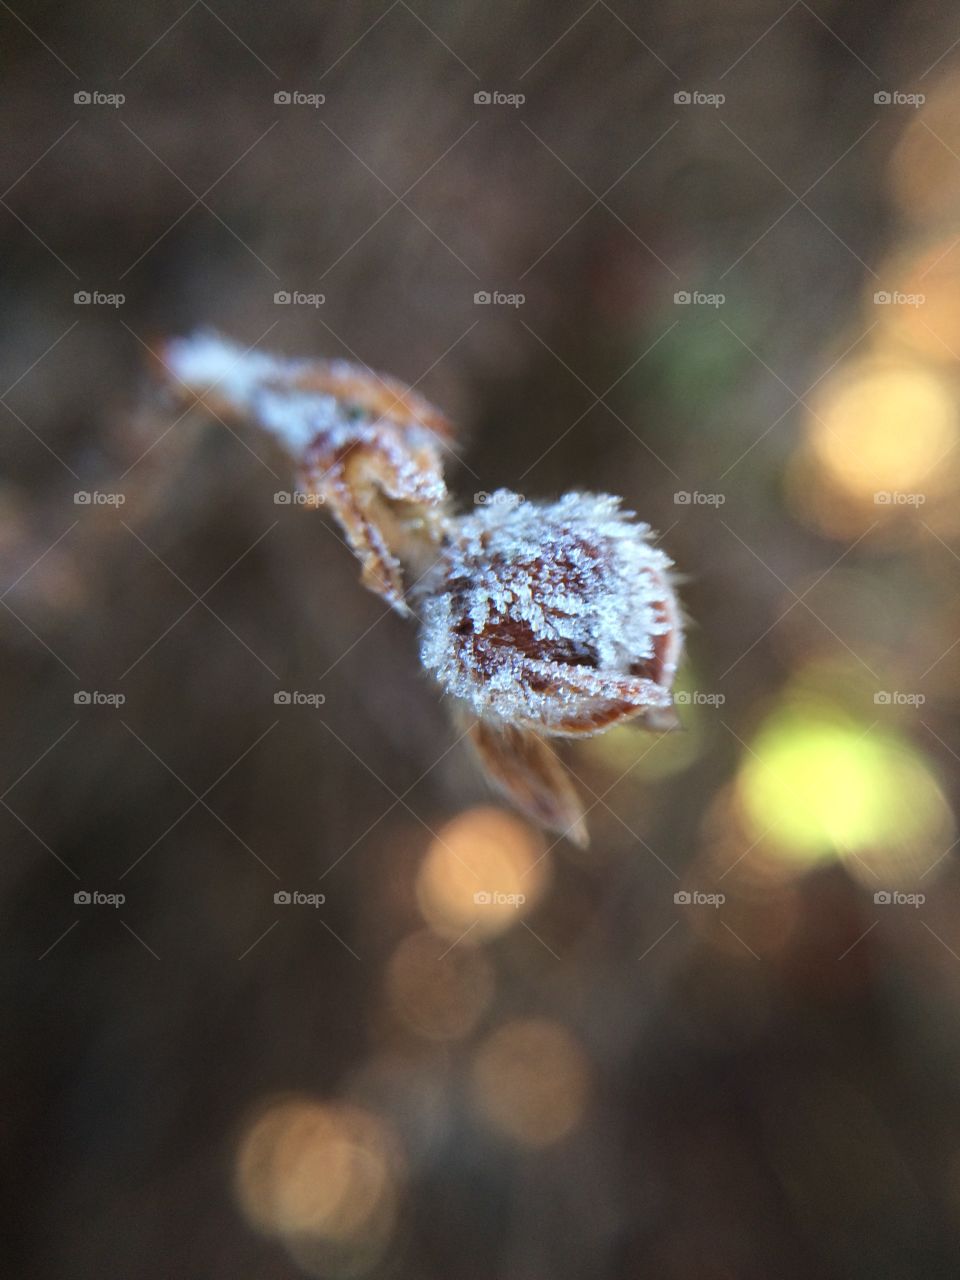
(721, 1043)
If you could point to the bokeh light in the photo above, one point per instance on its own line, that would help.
(485, 870)
(316, 1172)
(819, 784)
(923, 311)
(925, 171)
(883, 427)
(530, 1081)
(440, 992)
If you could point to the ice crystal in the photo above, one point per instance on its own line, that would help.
(206, 362)
(299, 400)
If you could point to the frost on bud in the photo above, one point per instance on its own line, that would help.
(368, 447)
(558, 618)
(539, 619)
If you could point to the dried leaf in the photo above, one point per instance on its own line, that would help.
(526, 770)
(367, 446)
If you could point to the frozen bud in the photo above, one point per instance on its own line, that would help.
(368, 447)
(559, 618)
(540, 619)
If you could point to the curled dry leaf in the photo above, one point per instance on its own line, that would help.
(538, 619)
(529, 773)
(367, 446)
